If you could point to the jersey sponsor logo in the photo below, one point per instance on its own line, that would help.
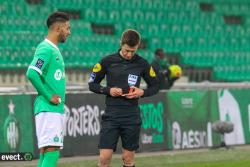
(132, 79)
(58, 74)
(92, 77)
(152, 72)
(97, 67)
(39, 63)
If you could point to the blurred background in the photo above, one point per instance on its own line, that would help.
(209, 39)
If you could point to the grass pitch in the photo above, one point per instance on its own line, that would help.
(235, 157)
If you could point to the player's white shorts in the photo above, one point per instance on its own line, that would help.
(49, 129)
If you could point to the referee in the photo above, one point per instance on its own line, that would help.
(124, 71)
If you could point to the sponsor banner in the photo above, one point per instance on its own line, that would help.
(234, 106)
(153, 130)
(188, 119)
(16, 124)
(83, 114)
(172, 120)
(83, 123)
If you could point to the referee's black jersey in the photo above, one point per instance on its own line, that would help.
(122, 73)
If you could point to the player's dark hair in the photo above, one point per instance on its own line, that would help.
(130, 37)
(57, 17)
(158, 51)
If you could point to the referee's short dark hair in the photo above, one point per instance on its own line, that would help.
(130, 37)
(57, 17)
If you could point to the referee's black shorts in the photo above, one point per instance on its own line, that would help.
(121, 122)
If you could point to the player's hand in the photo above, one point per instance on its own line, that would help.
(56, 99)
(115, 92)
(136, 93)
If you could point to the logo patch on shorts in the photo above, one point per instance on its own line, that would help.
(39, 63)
(56, 139)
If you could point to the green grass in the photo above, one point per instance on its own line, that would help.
(239, 157)
(236, 157)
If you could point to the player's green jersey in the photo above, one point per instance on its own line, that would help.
(48, 62)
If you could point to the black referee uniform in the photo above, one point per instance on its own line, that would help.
(122, 115)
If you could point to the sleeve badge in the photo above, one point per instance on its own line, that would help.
(152, 72)
(97, 67)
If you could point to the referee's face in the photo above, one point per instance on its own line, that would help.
(127, 52)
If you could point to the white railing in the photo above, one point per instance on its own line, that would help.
(83, 88)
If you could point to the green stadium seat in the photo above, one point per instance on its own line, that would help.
(155, 43)
(152, 30)
(148, 4)
(127, 15)
(155, 5)
(202, 38)
(114, 16)
(101, 15)
(89, 15)
(81, 27)
(113, 4)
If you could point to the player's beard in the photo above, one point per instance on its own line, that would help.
(62, 38)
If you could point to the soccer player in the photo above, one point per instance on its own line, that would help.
(163, 70)
(124, 70)
(47, 74)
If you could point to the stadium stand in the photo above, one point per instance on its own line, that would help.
(204, 35)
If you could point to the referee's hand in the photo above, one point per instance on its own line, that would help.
(137, 93)
(115, 92)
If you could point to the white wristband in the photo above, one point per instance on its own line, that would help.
(59, 100)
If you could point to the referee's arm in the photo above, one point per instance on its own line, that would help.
(95, 79)
(151, 79)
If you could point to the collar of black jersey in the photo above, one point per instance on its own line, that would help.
(132, 59)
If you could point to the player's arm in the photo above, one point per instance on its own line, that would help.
(97, 75)
(36, 81)
(35, 72)
(150, 78)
